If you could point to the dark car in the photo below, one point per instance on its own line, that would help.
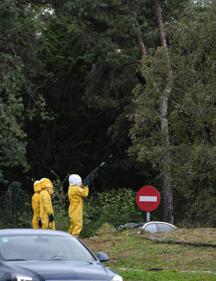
(39, 255)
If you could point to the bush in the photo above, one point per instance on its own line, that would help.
(106, 230)
(113, 207)
(15, 207)
(60, 203)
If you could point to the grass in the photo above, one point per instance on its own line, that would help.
(165, 276)
(197, 235)
(136, 258)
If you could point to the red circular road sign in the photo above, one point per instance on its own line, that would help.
(148, 198)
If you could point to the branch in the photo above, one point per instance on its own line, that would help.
(160, 24)
(143, 51)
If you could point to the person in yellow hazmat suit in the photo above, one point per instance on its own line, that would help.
(46, 208)
(36, 205)
(76, 193)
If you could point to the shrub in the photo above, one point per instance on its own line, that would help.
(15, 207)
(113, 207)
(60, 203)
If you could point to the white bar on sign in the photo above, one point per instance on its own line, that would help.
(148, 198)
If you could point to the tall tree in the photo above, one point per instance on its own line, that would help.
(19, 72)
(190, 112)
(91, 50)
(151, 113)
(168, 211)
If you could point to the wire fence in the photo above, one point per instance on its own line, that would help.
(15, 207)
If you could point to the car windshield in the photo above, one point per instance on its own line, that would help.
(43, 247)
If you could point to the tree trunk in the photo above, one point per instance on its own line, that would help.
(141, 45)
(168, 211)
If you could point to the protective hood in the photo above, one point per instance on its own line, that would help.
(37, 186)
(46, 183)
(75, 179)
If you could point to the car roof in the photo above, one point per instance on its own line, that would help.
(164, 222)
(29, 231)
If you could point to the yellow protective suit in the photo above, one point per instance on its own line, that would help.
(46, 208)
(36, 204)
(75, 211)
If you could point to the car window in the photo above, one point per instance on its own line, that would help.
(43, 247)
(151, 228)
(162, 227)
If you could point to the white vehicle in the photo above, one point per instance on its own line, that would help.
(157, 227)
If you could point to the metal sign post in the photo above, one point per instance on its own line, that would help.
(147, 216)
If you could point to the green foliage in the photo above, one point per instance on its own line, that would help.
(146, 132)
(15, 207)
(60, 200)
(106, 231)
(12, 144)
(191, 113)
(87, 87)
(78, 61)
(133, 275)
(114, 207)
(18, 99)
